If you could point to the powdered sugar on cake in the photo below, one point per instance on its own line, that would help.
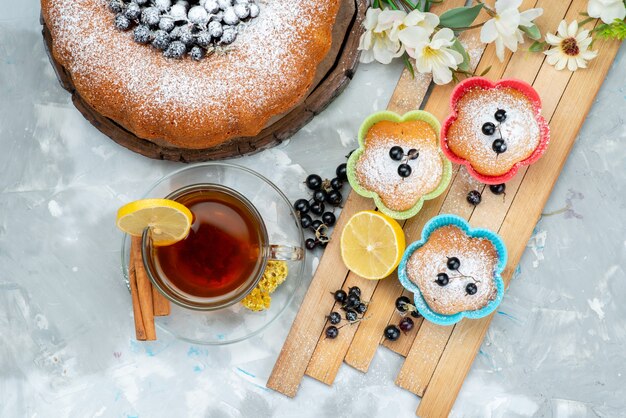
(377, 172)
(478, 259)
(263, 73)
(520, 130)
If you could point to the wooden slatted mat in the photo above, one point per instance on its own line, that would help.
(438, 358)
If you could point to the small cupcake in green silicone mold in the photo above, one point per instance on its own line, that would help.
(399, 163)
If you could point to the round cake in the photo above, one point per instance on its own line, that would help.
(189, 103)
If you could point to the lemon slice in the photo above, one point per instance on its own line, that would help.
(169, 220)
(372, 244)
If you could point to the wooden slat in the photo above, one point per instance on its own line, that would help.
(309, 323)
(525, 68)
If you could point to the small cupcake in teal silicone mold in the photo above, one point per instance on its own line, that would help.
(399, 163)
(454, 270)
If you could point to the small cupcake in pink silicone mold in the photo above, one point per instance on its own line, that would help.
(495, 128)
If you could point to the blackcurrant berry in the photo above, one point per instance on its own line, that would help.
(396, 153)
(302, 206)
(352, 301)
(415, 314)
(392, 333)
(334, 318)
(404, 170)
(322, 244)
(471, 289)
(319, 195)
(305, 221)
(332, 332)
(329, 218)
(500, 115)
(316, 224)
(341, 296)
(362, 308)
(402, 303)
(334, 197)
(442, 279)
(489, 128)
(342, 172)
(351, 315)
(310, 244)
(474, 197)
(413, 154)
(406, 324)
(317, 208)
(355, 290)
(497, 188)
(313, 182)
(336, 184)
(499, 146)
(453, 263)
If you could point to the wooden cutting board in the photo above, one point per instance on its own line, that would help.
(438, 358)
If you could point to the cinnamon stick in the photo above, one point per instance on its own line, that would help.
(144, 290)
(140, 331)
(160, 303)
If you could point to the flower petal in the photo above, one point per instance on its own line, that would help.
(609, 13)
(572, 29)
(504, 5)
(527, 16)
(571, 64)
(560, 64)
(562, 31)
(413, 35)
(488, 32)
(553, 40)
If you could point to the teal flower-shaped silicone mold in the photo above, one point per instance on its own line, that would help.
(420, 303)
(354, 158)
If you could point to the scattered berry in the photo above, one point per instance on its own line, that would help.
(334, 198)
(310, 244)
(406, 324)
(242, 10)
(402, 303)
(415, 314)
(351, 315)
(361, 309)
(317, 208)
(474, 197)
(133, 11)
(314, 182)
(332, 332)
(404, 170)
(150, 16)
(471, 289)
(211, 6)
(352, 301)
(396, 153)
(497, 188)
(499, 146)
(185, 35)
(162, 5)
(203, 39)
(334, 318)
(341, 296)
(336, 184)
(413, 154)
(116, 6)
(319, 195)
(198, 15)
(453, 263)
(161, 39)
(316, 224)
(355, 290)
(229, 35)
(442, 279)
(489, 128)
(329, 218)
(305, 221)
(176, 50)
(142, 34)
(392, 333)
(122, 22)
(215, 29)
(166, 23)
(302, 206)
(254, 10)
(342, 172)
(500, 115)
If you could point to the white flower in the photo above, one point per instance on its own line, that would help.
(503, 28)
(416, 24)
(376, 43)
(607, 10)
(571, 47)
(435, 55)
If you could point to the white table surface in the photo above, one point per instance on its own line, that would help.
(556, 348)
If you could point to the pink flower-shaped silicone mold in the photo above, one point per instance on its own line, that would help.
(480, 82)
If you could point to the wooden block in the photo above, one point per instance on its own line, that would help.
(311, 318)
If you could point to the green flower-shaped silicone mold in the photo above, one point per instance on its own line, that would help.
(394, 117)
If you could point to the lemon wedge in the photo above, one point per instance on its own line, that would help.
(168, 220)
(372, 244)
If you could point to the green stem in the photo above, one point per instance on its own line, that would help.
(491, 12)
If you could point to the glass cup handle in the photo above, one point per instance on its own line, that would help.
(285, 253)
